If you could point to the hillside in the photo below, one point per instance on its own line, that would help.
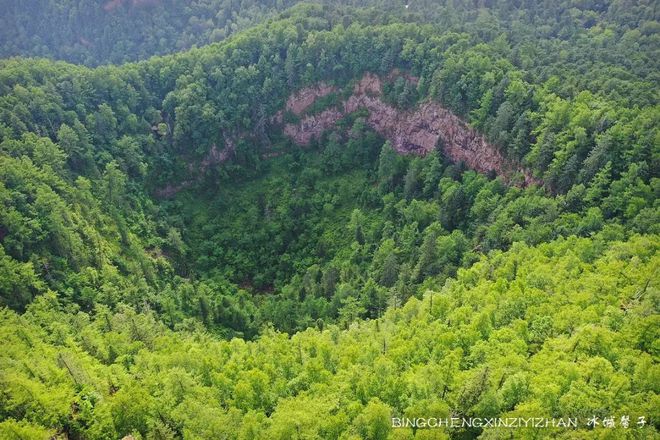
(533, 332)
(115, 31)
(332, 218)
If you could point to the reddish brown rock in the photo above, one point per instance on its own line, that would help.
(216, 156)
(311, 127)
(301, 100)
(416, 131)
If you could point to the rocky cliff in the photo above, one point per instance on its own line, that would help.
(418, 131)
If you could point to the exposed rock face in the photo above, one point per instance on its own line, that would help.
(215, 156)
(311, 127)
(301, 100)
(415, 131)
(411, 132)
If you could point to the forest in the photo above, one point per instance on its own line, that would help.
(175, 263)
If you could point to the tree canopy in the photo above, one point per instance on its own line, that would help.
(173, 265)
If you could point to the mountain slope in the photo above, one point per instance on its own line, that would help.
(552, 331)
(228, 240)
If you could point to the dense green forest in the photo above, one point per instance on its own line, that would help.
(100, 32)
(173, 265)
(491, 341)
(97, 32)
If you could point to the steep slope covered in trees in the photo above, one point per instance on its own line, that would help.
(560, 330)
(126, 132)
(173, 265)
(113, 31)
(419, 132)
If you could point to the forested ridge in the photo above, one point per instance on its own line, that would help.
(173, 265)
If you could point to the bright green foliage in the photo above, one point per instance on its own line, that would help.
(561, 329)
(172, 266)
